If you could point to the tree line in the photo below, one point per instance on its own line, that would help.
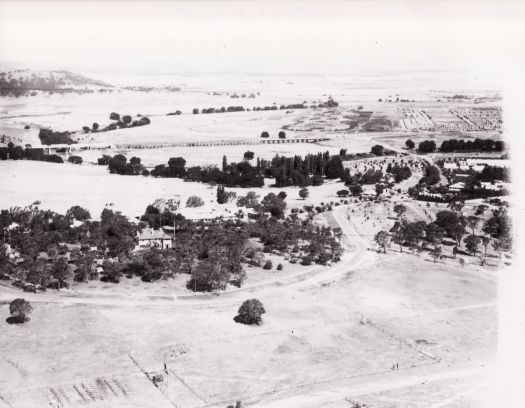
(12, 152)
(460, 145)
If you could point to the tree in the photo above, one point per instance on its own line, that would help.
(194, 201)
(222, 196)
(19, 310)
(410, 144)
(498, 226)
(471, 243)
(265, 134)
(126, 119)
(114, 116)
(273, 205)
(250, 200)
(427, 146)
(78, 213)
(95, 127)
(434, 234)
(485, 241)
(250, 312)
(382, 238)
(472, 222)
(317, 180)
(400, 209)
(282, 135)
(210, 274)
(436, 253)
(379, 189)
(303, 193)
(356, 189)
(248, 155)
(452, 223)
(334, 168)
(61, 273)
(414, 232)
(75, 159)
(377, 150)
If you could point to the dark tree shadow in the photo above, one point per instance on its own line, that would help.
(16, 319)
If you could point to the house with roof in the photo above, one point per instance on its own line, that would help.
(151, 238)
(457, 187)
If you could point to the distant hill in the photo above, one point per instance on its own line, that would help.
(22, 80)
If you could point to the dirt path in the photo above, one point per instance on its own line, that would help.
(318, 398)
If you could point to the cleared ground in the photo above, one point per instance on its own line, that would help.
(337, 329)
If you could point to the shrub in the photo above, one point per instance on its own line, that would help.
(104, 160)
(377, 150)
(317, 180)
(75, 159)
(280, 267)
(250, 312)
(307, 260)
(268, 265)
(194, 201)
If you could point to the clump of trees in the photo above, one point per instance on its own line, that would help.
(12, 152)
(50, 137)
(476, 145)
(431, 177)
(119, 164)
(427, 146)
(119, 122)
(287, 171)
(52, 251)
(250, 312)
(461, 145)
(449, 224)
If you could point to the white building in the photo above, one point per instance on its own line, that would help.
(457, 186)
(150, 238)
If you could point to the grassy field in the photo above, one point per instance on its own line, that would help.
(61, 186)
(399, 309)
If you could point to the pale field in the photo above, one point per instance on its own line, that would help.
(61, 186)
(311, 339)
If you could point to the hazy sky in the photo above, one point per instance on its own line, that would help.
(280, 37)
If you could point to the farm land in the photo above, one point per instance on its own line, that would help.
(388, 325)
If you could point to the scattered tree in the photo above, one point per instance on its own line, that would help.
(194, 201)
(19, 310)
(250, 312)
(377, 150)
(303, 193)
(382, 238)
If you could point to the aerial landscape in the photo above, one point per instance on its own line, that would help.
(237, 238)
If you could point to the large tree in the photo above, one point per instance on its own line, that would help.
(19, 310)
(382, 238)
(250, 312)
